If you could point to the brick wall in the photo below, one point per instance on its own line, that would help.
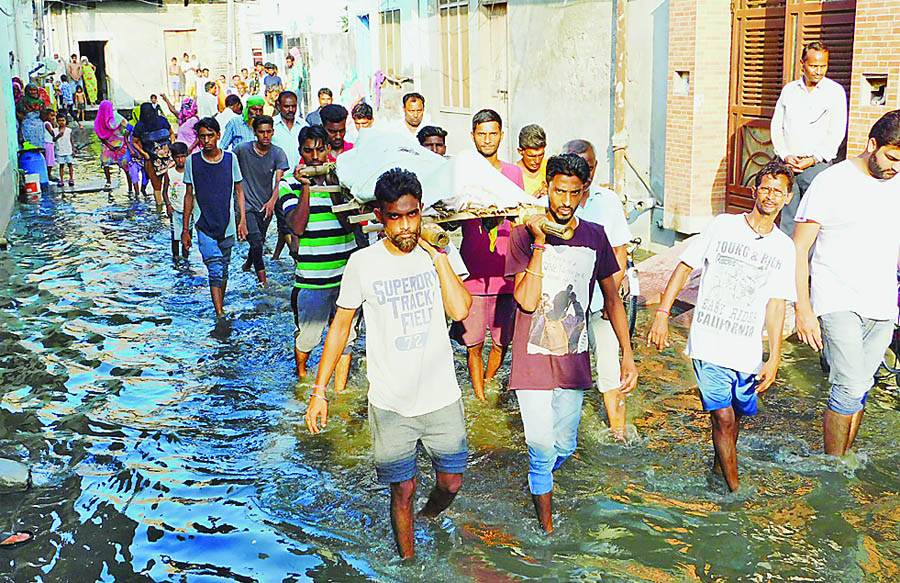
(697, 123)
(876, 37)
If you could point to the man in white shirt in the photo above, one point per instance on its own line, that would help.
(287, 127)
(207, 102)
(414, 115)
(847, 292)
(747, 267)
(602, 206)
(233, 109)
(809, 125)
(406, 288)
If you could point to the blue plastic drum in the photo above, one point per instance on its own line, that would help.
(32, 162)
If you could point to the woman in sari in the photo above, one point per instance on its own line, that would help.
(137, 175)
(153, 135)
(187, 119)
(32, 125)
(112, 129)
(89, 74)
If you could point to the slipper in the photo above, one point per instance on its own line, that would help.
(18, 538)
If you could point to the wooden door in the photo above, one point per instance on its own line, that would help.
(767, 40)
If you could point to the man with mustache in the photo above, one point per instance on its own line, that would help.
(552, 370)
(847, 292)
(406, 288)
(808, 125)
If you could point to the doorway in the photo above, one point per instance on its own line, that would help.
(95, 51)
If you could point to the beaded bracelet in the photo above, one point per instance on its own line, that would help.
(537, 247)
(534, 273)
(324, 398)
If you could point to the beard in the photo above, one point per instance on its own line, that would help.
(877, 171)
(404, 243)
(561, 220)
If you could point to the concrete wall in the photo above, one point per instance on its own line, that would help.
(135, 54)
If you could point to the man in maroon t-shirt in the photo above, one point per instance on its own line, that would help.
(483, 249)
(551, 364)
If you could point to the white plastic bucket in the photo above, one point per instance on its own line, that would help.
(33, 188)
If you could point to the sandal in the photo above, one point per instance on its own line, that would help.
(18, 538)
(71, 183)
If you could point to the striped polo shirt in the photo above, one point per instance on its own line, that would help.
(324, 246)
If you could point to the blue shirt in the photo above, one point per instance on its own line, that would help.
(236, 132)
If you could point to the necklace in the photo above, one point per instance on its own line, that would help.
(752, 228)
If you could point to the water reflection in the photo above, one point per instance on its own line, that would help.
(167, 446)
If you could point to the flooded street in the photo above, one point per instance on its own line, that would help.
(166, 447)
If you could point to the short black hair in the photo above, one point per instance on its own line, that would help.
(231, 100)
(813, 46)
(568, 165)
(269, 65)
(484, 116)
(314, 133)
(209, 123)
(63, 78)
(396, 183)
(262, 119)
(284, 94)
(209, 85)
(178, 149)
(324, 91)
(886, 131)
(152, 95)
(430, 132)
(775, 168)
(333, 113)
(413, 95)
(362, 110)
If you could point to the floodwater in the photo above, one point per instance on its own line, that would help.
(165, 447)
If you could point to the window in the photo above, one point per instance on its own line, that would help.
(390, 43)
(454, 20)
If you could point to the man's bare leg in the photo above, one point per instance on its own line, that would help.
(402, 494)
(282, 239)
(495, 359)
(838, 430)
(476, 369)
(301, 358)
(854, 427)
(218, 298)
(342, 373)
(725, 427)
(615, 410)
(261, 276)
(443, 493)
(543, 506)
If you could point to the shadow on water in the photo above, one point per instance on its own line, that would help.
(166, 446)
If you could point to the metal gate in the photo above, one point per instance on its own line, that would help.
(767, 40)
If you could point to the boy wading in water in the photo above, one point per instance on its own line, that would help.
(213, 179)
(748, 273)
(406, 289)
(173, 193)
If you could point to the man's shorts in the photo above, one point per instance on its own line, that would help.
(497, 313)
(854, 347)
(62, 159)
(175, 83)
(178, 224)
(216, 255)
(722, 387)
(313, 311)
(257, 225)
(396, 440)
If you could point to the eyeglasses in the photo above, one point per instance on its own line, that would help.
(764, 190)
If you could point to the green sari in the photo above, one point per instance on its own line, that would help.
(90, 80)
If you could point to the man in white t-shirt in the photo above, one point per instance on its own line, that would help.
(406, 289)
(602, 206)
(847, 292)
(748, 268)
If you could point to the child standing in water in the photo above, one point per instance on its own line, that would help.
(65, 149)
(80, 102)
(48, 116)
(173, 194)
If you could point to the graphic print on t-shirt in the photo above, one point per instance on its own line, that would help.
(410, 300)
(558, 324)
(740, 278)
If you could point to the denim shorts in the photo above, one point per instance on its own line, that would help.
(216, 255)
(178, 224)
(313, 311)
(496, 313)
(722, 387)
(396, 440)
(854, 346)
(62, 159)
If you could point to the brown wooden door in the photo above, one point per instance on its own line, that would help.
(767, 40)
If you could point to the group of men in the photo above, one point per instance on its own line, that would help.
(550, 301)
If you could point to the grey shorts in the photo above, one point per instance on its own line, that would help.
(396, 440)
(313, 311)
(854, 347)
